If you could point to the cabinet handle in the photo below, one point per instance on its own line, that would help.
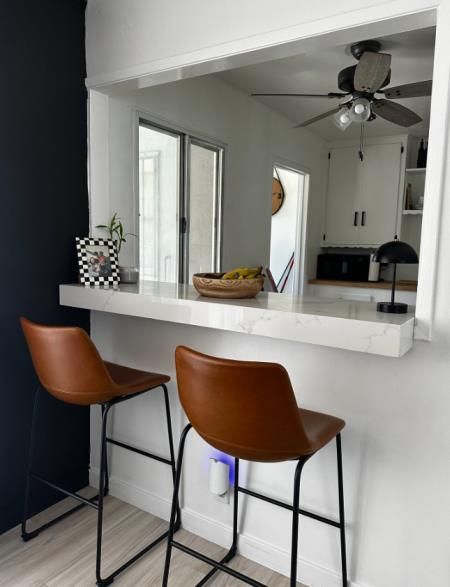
(363, 219)
(355, 219)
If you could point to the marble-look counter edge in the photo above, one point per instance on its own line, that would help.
(346, 325)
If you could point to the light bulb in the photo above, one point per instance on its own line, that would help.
(342, 119)
(360, 110)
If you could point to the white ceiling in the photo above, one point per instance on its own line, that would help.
(412, 60)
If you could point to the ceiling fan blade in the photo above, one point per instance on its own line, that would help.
(371, 71)
(395, 113)
(329, 95)
(316, 118)
(415, 90)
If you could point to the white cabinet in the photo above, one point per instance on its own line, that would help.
(341, 220)
(363, 196)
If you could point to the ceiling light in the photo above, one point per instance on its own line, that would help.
(360, 110)
(342, 119)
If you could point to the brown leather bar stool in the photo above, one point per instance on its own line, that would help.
(248, 410)
(70, 368)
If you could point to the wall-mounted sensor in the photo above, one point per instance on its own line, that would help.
(218, 477)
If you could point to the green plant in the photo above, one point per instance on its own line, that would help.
(116, 231)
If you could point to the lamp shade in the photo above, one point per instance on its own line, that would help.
(395, 252)
(360, 110)
(342, 119)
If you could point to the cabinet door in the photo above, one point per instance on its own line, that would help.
(343, 179)
(379, 193)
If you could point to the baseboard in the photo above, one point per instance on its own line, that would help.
(259, 551)
(251, 547)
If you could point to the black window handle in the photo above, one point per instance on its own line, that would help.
(363, 219)
(355, 219)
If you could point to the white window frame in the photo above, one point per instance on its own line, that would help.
(187, 138)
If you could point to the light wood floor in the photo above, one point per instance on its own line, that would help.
(64, 555)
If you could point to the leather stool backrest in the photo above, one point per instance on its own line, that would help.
(66, 361)
(246, 409)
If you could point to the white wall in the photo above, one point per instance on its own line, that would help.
(397, 440)
(129, 39)
(254, 137)
(396, 453)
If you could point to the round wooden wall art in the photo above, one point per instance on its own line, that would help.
(277, 195)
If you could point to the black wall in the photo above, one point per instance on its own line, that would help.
(44, 205)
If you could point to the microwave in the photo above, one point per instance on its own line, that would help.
(343, 267)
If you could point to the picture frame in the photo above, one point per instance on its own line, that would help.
(97, 261)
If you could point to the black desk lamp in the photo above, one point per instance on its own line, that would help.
(394, 252)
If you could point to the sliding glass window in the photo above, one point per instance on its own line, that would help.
(180, 191)
(204, 179)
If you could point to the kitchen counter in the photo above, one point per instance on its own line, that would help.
(350, 325)
(400, 285)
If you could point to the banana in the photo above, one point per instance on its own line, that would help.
(243, 273)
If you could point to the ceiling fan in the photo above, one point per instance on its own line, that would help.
(360, 84)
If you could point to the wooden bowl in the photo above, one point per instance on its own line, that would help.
(211, 285)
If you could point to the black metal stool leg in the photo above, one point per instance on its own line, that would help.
(172, 450)
(233, 548)
(101, 495)
(175, 500)
(97, 501)
(28, 535)
(106, 489)
(295, 522)
(294, 508)
(341, 511)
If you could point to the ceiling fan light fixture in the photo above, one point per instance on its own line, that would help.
(360, 110)
(359, 84)
(342, 119)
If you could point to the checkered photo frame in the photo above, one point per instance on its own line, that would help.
(83, 244)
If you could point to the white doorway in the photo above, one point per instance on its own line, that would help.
(287, 237)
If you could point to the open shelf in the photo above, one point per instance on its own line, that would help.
(412, 212)
(416, 170)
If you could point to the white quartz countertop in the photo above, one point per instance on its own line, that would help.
(350, 325)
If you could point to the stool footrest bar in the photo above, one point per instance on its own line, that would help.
(83, 500)
(110, 578)
(139, 451)
(226, 559)
(289, 507)
(217, 565)
(30, 535)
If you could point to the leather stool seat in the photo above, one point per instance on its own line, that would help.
(70, 367)
(319, 428)
(129, 381)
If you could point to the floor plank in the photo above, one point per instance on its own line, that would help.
(64, 555)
